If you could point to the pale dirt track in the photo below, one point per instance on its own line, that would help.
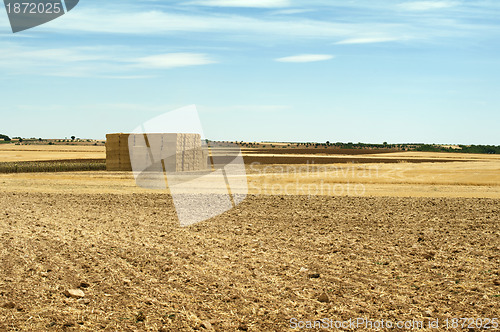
(248, 269)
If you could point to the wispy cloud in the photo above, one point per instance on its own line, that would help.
(375, 23)
(368, 40)
(292, 11)
(306, 58)
(243, 108)
(174, 60)
(211, 30)
(284, 23)
(104, 62)
(14, 53)
(16, 59)
(243, 3)
(228, 25)
(427, 5)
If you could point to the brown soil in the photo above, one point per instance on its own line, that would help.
(281, 160)
(320, 150)
(254, 268)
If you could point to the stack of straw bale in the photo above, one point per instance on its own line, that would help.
(179, 152)
(117, 154)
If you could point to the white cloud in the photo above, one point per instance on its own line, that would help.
(162, 23)
(72, 61)
(173, 60)
(426, 5)
(104, 62)
(243, 108)
(375, 19)
(306, 58)
(13, 52)
(367, 40)
(243, 3)
(292, 11)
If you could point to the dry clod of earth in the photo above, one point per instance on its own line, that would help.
(428, 313)
(74, 293)
(9, 305)
(84, 285)
(429, 255)
(314, 275)
(140, 317)
(84, 301)
(207, 325)
(324, 298)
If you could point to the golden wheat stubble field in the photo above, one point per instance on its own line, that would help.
(12, 153)
(402, 257)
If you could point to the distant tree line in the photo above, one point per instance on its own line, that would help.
(484, 149)
(5, 137)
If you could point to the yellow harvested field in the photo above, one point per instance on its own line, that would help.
(469, 175)
(457, 179)
(461, 179)
(11, 153)
(441, 155)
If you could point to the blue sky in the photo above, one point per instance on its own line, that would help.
(282, 70)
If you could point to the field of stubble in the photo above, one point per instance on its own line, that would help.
(271, 259)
